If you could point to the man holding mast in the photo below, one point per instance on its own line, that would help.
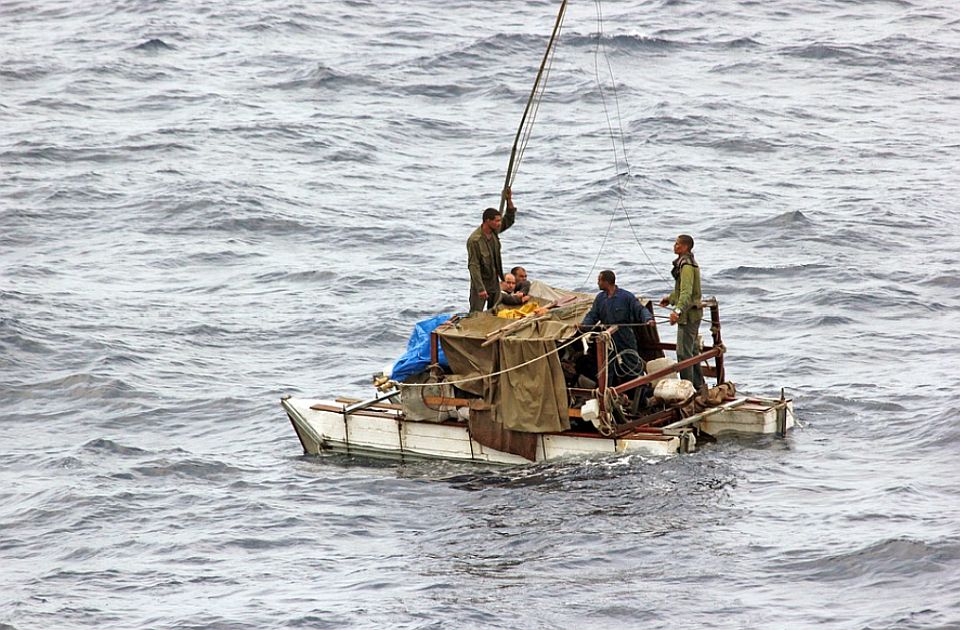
(483, 255)
(687, 311)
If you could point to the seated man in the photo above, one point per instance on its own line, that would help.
(614, 305)
(508, 292)
(523, 285)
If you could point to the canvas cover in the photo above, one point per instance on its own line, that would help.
(532, 398)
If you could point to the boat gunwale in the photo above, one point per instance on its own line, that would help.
(640, 433)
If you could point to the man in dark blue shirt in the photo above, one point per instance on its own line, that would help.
(614, 305)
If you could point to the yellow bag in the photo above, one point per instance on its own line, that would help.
(518, 313)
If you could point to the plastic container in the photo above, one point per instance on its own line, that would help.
(590, 410)
(673, 390)
(659, 364)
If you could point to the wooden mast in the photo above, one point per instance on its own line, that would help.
(533, 93)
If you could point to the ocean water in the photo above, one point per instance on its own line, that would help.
(205, 206)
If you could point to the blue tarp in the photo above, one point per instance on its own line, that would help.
(417, 356)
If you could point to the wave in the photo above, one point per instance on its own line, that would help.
(823, 51)
(258, 225)
(208, 470)
(313, 276)
(325, 77)
(154, 45)
(440, 91)
(29, 153)
(741, 42)
(923, 58)
(74, 387)
(479, 51)
(29, 73)
(103, 445)
(898, 558)
(625, 42)
(789, 225)
(743, 272)
(274, 24)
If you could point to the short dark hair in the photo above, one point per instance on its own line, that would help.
(515, 269)
(490, 213)
(686, 239)
(608, 276)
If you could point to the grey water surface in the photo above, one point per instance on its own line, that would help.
(207, 205)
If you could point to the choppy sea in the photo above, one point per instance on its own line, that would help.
(207, 205)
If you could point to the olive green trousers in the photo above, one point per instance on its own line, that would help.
(686, 348)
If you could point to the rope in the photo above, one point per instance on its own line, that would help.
(621, 175)
(609, 342)
(510, 369)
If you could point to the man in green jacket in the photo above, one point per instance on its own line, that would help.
(687, 311)
(483, 255)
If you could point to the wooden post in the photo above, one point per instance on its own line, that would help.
(435, 354)
(601, 375)
(717, 341)
(676, 367)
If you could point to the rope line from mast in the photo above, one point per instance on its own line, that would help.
(504, 371)
(621, 175)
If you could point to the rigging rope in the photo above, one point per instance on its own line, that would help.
(533, 108)
(504, 371)
(614, 358)
(621, 175)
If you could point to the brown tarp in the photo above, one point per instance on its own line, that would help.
(532, 398)
(487, 431)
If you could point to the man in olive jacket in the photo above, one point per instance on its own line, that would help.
(687, 311)
(483, 255)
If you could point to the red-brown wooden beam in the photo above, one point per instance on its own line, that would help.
(676, 367)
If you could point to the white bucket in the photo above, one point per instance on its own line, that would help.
(673, 390)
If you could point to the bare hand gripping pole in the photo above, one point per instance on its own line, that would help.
(530, 101)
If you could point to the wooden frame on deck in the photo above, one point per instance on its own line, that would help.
(657, 347)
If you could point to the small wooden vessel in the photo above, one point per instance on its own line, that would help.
(378, 429)
(487, 417)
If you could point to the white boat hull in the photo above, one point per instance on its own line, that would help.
(383, 432)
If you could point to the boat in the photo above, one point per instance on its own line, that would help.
(504, 395)
(535, 386)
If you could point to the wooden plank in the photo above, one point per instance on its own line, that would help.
(443, 400)
(353, 401)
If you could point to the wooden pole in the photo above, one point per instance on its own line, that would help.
(533, 92)
(717, 340)
(676, 367)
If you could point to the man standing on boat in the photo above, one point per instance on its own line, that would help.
(687, 312)
(614, 305)
(483, 255)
